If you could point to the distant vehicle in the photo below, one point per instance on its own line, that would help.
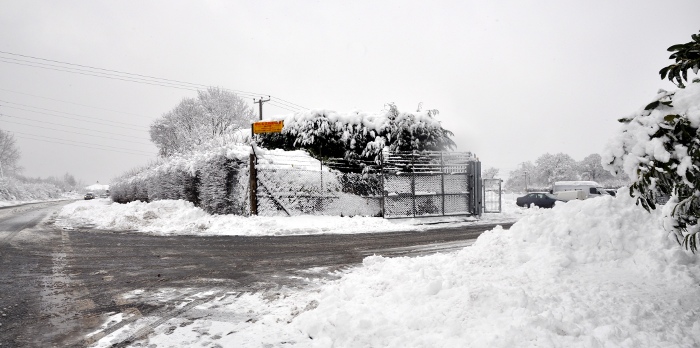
(539, 199)
(611, 192)
(89, 195)
(570, 195)
(589, 189)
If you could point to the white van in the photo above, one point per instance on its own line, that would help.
(585, 189)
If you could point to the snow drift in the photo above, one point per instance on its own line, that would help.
(594, 273)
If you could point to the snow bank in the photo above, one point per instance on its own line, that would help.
(594, 273)
(171, 217)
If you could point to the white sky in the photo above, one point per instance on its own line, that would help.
(512, 79)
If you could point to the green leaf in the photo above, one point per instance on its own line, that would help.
(652, 105)
(625, 120)
(676, 47)
(670, 118)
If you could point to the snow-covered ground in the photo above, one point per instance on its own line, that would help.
(168, 217)
(66, 196)
(596, 273)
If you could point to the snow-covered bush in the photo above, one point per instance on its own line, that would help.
(659, 148)
(213, 179)
(359, 135)
(16, 189)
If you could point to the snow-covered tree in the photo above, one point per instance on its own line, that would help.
(359, 135)
(557, 167)
(521, 179)
(591, 168)
(659, 148)
(9, 154)
(214, 113)
(490, 173)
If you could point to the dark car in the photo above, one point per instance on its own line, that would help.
(89, 195)
(539, 199)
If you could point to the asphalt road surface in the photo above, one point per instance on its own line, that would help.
(57, 286)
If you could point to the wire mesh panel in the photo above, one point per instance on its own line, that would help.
(428, 205)
(408, 184)
(456, 183)
(398, 200)
(492, 195)
(306, 192)
(457, 204)
(429, 184)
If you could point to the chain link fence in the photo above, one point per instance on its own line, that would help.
(401, 185)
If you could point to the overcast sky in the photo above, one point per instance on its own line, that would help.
(512, 79)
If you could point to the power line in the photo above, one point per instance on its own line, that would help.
(124, 76)
(132, 151)
(87, 147)
(68, 102)
(81, 128)
(142, 81)
(66, 131)
(183, 83)
(79, 118)
(111, 77)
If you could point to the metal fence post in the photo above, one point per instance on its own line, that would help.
(413, 183)
(500, 204)
(382, 200)
(253, 182)
(442, 182)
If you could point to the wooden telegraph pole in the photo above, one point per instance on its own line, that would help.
(255, 128)
(260, 102)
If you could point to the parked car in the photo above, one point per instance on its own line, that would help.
(539, 199)
(89, 195)
(611, 192)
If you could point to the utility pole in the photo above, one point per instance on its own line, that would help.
(526, 181)
(260, 102)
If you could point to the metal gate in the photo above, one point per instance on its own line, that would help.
(492, 195)
(423, 184)
(403, 184)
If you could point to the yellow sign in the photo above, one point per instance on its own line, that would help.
(268, 127)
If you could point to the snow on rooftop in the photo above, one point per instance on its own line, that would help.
(97, 187)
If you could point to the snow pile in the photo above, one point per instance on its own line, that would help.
(170, 217)
(593, 273)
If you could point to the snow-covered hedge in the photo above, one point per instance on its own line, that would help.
(212, 179)
(359, 135)
(12, 189)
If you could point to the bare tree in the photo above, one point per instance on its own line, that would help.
(9, 154)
